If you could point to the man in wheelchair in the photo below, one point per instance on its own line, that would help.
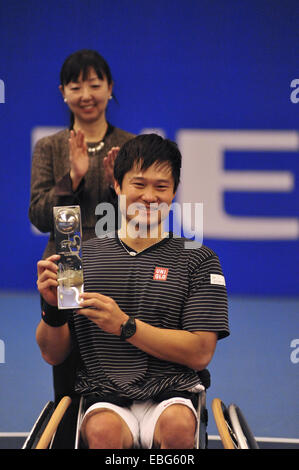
(151, 313)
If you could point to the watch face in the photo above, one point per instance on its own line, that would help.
(128, 329)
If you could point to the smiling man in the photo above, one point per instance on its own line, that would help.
(151, 314)
(146, 179)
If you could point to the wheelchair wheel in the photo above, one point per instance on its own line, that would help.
(233, 415)
(53, 423)
(39, 426)
(224, 425)
(245, 437)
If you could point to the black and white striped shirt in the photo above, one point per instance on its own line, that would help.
(166, 286)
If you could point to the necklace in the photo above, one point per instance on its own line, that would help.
(134, 253)
(131, 253)
(92, 150)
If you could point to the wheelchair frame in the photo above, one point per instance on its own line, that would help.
(66, 418)
(58, 425)
(44, 432)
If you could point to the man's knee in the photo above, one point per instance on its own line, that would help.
(106, 430)
(176, 427)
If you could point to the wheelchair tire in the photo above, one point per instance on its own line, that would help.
(39, 426)
(241, 428)
(234, 419)
(224, 425)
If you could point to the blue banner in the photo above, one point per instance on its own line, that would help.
(220, 78)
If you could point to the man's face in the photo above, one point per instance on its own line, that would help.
(148, 195)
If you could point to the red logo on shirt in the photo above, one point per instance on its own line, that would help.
(160, 274)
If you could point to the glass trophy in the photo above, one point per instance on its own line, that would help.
(68, 236)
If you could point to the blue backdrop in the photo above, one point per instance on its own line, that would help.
(191, 64)
(219, 77)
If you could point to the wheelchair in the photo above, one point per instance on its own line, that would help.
(58, 424)
(233, 428)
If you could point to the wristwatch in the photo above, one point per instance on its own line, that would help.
(128, 328)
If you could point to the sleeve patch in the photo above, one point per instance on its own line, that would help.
(217, 279)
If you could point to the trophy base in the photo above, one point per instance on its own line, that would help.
(68, 297)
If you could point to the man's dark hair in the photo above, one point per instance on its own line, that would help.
(144, 151)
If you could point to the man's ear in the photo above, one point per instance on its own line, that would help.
(116, 187)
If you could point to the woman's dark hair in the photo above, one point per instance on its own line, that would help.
(82, 61)
(145, 150)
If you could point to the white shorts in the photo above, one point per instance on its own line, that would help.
(142, 416)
